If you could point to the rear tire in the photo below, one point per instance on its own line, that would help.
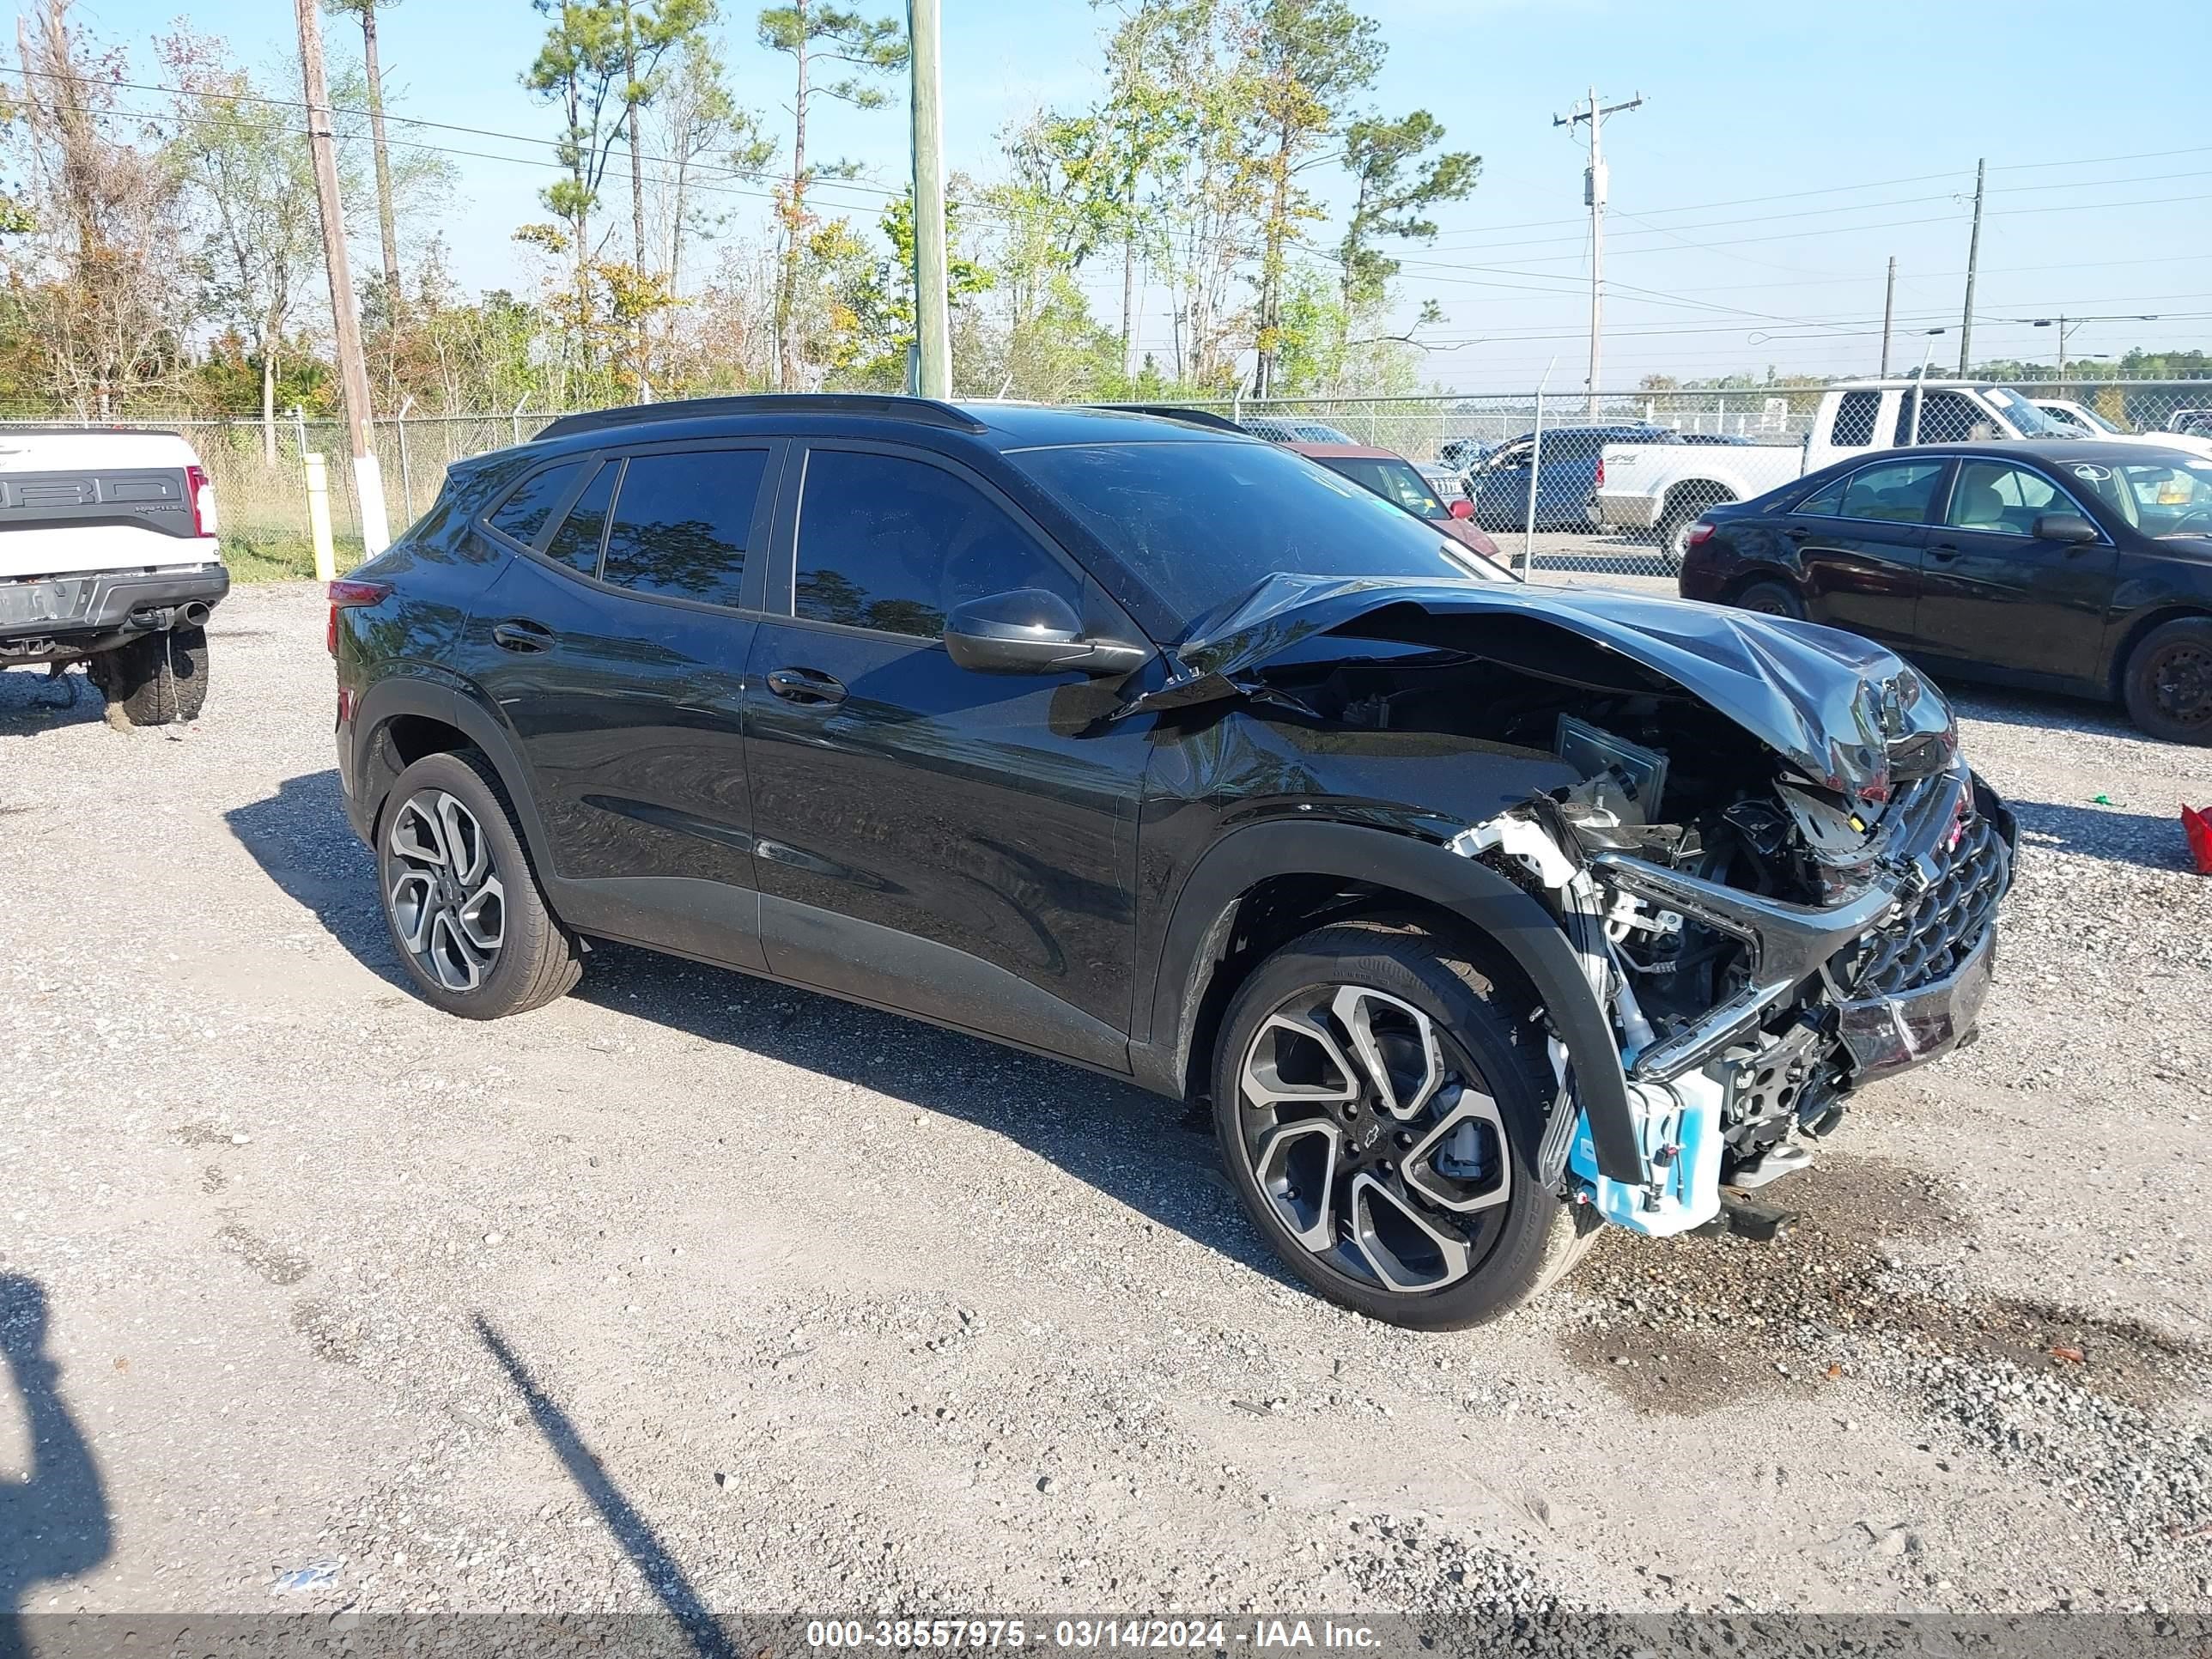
(1771, 599)
(1378, 1102)
(156, 678)
(460, 901)
(2167, 681)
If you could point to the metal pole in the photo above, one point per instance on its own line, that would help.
(353, 366)
(300, 429)
(931, 310)
(406, 477)
(1535, 462)
(2062, 354)
(1973, 260)
(515, 418)
(1888, 311)
(1597, 194)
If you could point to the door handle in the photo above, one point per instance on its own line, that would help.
(520, 634)
(1944, 552)
(808, 687)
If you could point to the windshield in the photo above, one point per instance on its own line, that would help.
(1200, 523)
(2081, 416)
(2159, 498)
(1394, 481)
(2029, 421)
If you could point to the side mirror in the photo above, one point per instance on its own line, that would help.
(1460, 507)
(1029, 631)
(2064, 527)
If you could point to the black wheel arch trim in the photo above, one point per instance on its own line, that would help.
(1206, 907)
(398, 695)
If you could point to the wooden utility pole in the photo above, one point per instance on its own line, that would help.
(353, 367)
(1888, 313)
(1973, 260)
(1593, 190)
(931, 310)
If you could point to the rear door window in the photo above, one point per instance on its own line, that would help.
(1893, 492)
(522, 516)
(681, 522)
(1855, 418)
(1945, 417)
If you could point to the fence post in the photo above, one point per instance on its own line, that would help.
(1535, 465)
(406, 477)
(515, 418)
(299, 430)
(318, 516)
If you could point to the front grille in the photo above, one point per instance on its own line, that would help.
(1942, 927)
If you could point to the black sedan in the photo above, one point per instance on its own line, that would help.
(2071, 566)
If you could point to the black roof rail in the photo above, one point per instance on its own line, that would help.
(925, 411)
(1177, 412)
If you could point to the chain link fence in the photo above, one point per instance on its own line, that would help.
(1569, 486)
(1605, 488)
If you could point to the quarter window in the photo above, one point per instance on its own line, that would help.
(895, 544)
(523, 514)
(1895, 492)
(681, 521)
(576, 543)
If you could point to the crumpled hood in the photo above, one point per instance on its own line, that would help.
(1829, 702)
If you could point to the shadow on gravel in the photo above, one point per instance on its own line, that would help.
(2039, 711)
(2150, 840)
(1112, 1135)
(630, 1529)
(300, 839)
(31, 703)
(1130, 1144)
(53, 1521)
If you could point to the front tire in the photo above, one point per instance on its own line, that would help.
(2167, 681)
(1379, 1104)
(460, 901)
(155, 679)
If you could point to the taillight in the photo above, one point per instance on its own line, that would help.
(1698, 535)
(1601, 472)
(203, 494)
(346, 593)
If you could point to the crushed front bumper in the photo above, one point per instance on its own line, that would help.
(1884, 1034)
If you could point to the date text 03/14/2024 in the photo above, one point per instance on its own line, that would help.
(1260, 1634)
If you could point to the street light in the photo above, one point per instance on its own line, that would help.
(2061, 323)
(1921, 379)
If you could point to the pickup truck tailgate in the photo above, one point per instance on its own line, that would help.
(99, 501)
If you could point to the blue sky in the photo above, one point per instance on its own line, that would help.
(1784, 152)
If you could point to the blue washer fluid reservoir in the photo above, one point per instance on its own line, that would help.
(1678, 1128)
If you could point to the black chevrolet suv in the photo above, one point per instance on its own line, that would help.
(1484, 914)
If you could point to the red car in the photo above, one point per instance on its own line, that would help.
(1399, 482)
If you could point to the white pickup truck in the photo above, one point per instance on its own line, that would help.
(1663, 487)
(109, 557)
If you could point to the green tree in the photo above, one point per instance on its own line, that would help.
(650, 30)
(258, 237)
(813, 36)
(1309, 59)
(1395, 181)
(581, 66)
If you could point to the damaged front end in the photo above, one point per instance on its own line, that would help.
(1779, 877)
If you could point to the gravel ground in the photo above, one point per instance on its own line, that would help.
(691, 1291)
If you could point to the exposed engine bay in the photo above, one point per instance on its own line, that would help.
(1765, 931)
